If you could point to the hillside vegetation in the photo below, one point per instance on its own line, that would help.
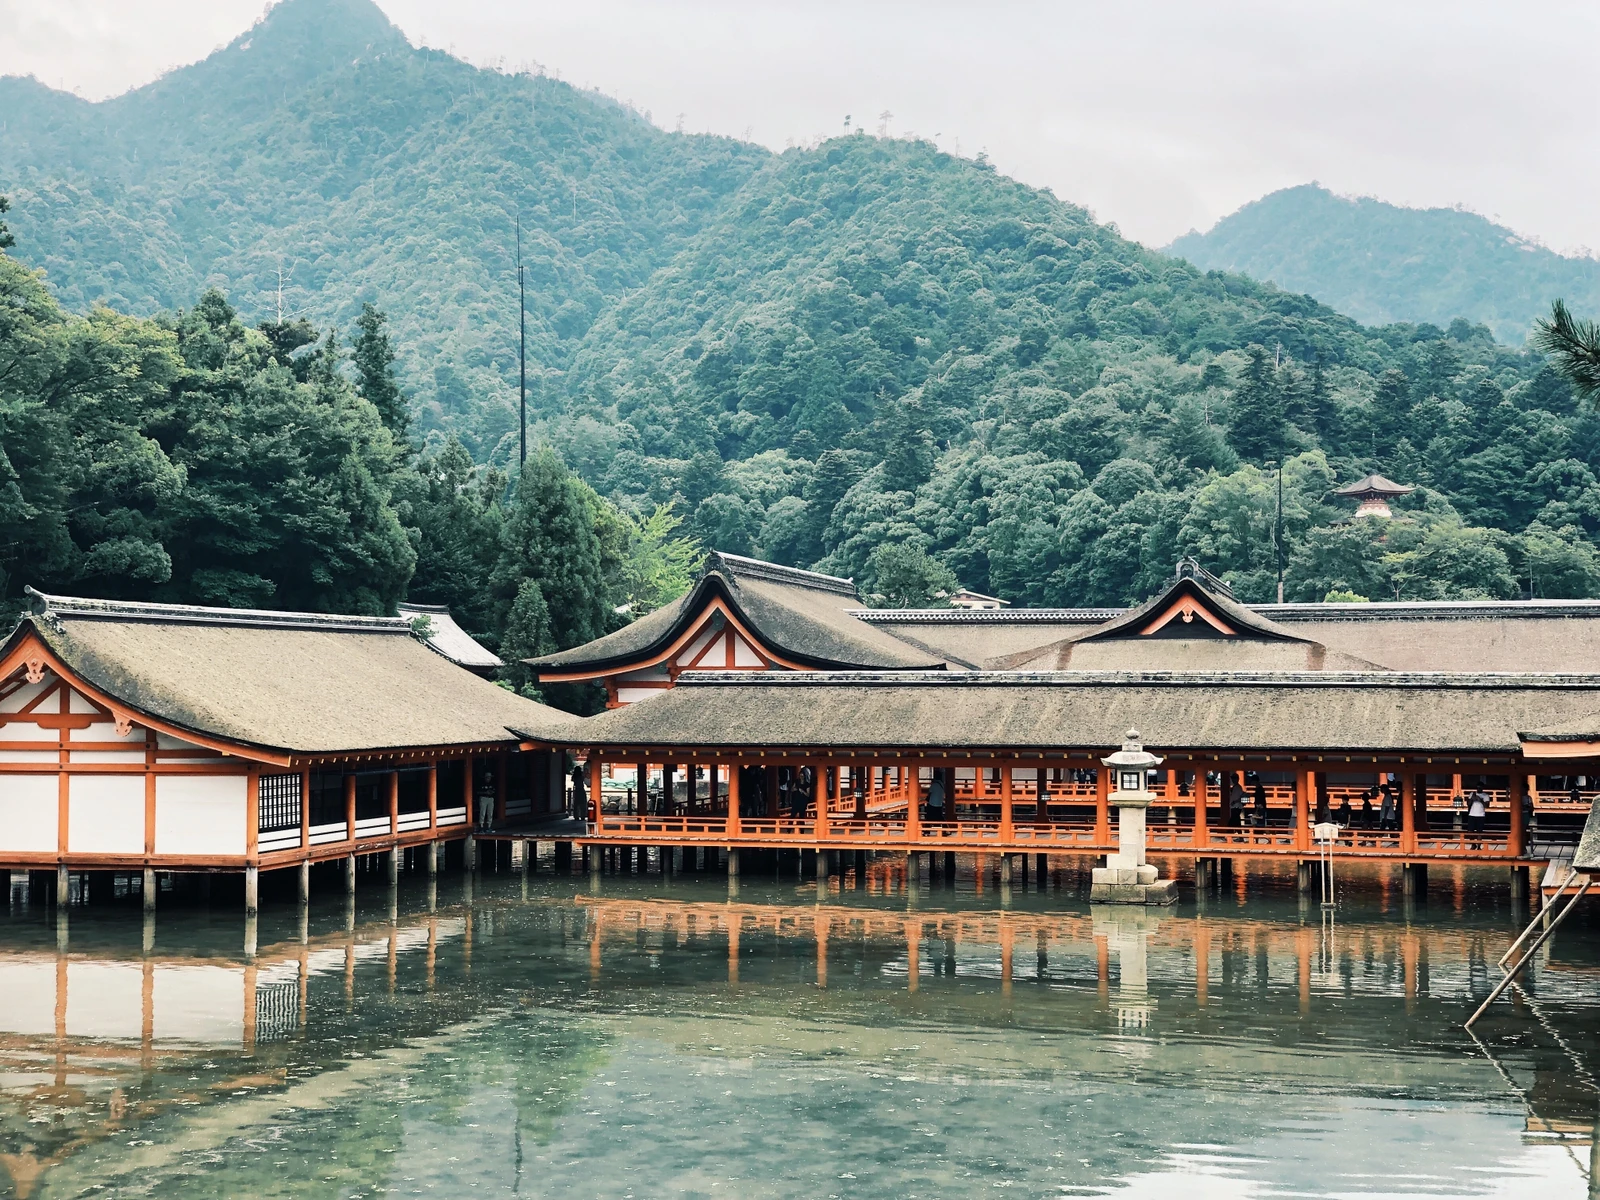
(868, 356)
(1380, 263)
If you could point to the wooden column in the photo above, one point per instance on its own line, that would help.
(466, 793)
(252, 818)
(1408, 812)
(1302, 809)
(305, 809)
(641, 787)
(773, 809)
(734, 827)
(1515, 843)
(502, 780)
(433, 799)
(1102, 806)
(350, 808)
(821, 787)
(862, 787)
(1202, 834)
(913, 804)
(594, 789)
(1008, 829)
(393, 784)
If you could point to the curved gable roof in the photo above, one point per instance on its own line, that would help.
(800, 616)
(298, 682)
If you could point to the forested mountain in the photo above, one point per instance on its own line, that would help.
(321, 143)
(866, 355)
(1380, 263)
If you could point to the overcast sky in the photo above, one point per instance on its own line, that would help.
(1160, 115)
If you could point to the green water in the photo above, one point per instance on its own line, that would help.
(528, 1036)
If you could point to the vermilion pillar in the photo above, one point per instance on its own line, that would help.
(1514, 845)
(1102, 805)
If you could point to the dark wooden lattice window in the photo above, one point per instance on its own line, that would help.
(414, 791)
(279, 803)
(327, 798)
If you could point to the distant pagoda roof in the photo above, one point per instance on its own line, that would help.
(1373, 487)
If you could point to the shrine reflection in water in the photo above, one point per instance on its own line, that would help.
(662, 1038)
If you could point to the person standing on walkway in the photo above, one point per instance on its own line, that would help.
(580, 799)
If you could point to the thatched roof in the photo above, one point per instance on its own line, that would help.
(296, 682)
(800, 615)
(1326, 712)
(447, 638)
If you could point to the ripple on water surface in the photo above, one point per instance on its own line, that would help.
(668, 1039)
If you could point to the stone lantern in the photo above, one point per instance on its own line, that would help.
(1127, 878)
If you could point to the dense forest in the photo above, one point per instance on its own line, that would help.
(865, 355)
(1380, 263)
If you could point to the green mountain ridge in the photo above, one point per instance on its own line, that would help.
(867, 356)
(320, 142)
(1383, 263)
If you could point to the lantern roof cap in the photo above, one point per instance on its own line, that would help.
(1133, 753)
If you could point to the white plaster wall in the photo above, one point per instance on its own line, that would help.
(80, 704)
(201, 814)
(25, 731)
(105, 814)
(126, 757)
(28, 813)
(28, 756)
(743, 654)
(23, 696)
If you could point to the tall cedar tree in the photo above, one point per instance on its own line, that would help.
(550, 539)
(374, 359)
(1256, 427)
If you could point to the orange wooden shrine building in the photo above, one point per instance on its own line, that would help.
(147, 738)
(771, 708)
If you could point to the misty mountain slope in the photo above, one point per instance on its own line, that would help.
(1381, 263)
(322, 143)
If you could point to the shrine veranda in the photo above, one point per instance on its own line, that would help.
(770, 711)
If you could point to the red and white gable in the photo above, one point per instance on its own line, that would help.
(79, 777)
(717, 641)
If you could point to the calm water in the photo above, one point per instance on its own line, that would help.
(661, 1039)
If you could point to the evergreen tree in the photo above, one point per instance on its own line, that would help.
(907, 576)
(550, 540)
(527, 636)
(7, 238)
(374, 360)
(1196, 443)
(1256, 427)
(1391, 410)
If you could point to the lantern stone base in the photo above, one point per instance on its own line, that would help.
(1131, 885)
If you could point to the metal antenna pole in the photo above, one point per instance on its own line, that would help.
(1278, 533)
(522, 355)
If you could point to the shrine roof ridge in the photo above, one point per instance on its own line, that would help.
(78, 608)
(1377, 610)
(986, 616)
(755, 568)
(1482, 680)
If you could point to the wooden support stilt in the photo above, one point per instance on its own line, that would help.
(350, 874)
(252, 890)
(147, 890)
(303, 882)
(63, 886)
